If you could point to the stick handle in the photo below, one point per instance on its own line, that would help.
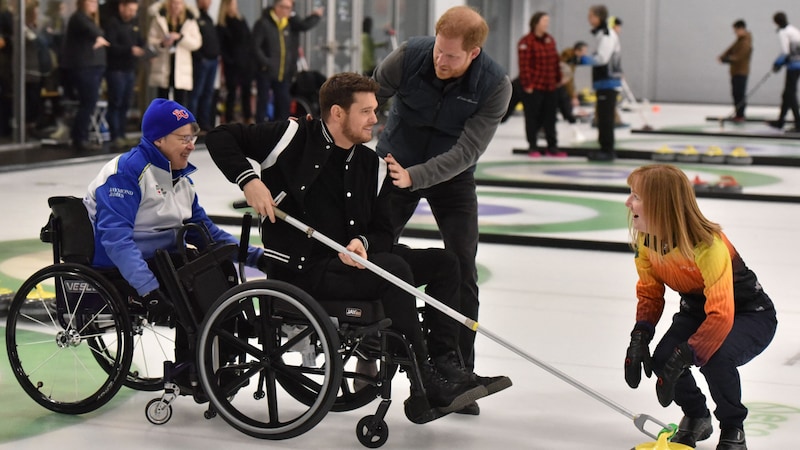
(310, 232)
(639, 420)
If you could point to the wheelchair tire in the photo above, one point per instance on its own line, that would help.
(372, 432)
(152, 345)
(243, 344)
(347, 398)
(63, 320)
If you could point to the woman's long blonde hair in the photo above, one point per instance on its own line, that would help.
(224, 11)
(670, 209)
(95, 16)
(180, 18)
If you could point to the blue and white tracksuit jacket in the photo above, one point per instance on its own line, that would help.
(789, 39)
(606, 60)
(137, 205)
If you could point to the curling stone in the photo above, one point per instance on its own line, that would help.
(689, 154)
(664, 154)
(738, 156)
(663, 442)
(727, 183)
(700, 185)
(713, 155)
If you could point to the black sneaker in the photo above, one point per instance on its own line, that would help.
(731, 439)
(692, 430)
(493, 384)
(451, 367)
(473, 409)
(448, 396)
(777, 124)
(601, 156)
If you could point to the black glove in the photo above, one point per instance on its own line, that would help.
(158, 306)
(638, 357)
(681, 359)
(776, 68)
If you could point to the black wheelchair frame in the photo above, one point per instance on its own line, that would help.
(267, 357)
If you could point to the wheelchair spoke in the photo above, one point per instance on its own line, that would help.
(57, 343)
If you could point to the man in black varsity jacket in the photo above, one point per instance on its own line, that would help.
(340, 187)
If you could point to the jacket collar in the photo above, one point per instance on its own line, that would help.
(603, 27)
(157, 159)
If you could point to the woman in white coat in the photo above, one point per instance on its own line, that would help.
(173, 35)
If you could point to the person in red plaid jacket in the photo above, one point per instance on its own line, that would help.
(540, 76)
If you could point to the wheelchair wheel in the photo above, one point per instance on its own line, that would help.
(245, 343)
(63, 320)
(349, 396)
(152, 345)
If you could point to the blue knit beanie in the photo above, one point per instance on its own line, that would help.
(163, 117)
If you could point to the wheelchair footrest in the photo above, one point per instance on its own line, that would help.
(418, 410)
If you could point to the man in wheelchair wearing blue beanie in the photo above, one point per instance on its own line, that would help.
(340, 187)
(142, 198)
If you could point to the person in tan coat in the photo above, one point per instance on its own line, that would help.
(173, 35)
(738, 56)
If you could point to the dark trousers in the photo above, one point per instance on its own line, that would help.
(332, 279)
(33, 103)
(86, 82)
(750, 335)
(235, 79)
(6, 102)
(201, 103)
(606, 109)
(281, 99)
(454, 204)
(789, 100)
(120, 89)
(516, 98)
(437, 270)
(565, 105)
(739, 90)
(540, 112)
(178, 95)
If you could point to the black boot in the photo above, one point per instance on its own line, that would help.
(451, 366)
(692, 430)
(777, 124)
(449, 396)
(731, 439)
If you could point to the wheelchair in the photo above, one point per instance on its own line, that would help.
(266, 357)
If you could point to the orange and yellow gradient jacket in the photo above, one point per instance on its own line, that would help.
(716, 285)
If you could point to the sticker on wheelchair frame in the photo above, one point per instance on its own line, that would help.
(353, 312)
(77, 287)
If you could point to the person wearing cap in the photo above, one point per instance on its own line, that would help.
(141, 198)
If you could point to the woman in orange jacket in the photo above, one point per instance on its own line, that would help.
(725, 318)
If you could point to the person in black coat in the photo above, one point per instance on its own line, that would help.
(340, 187)
(236, 43)
(276, 36)
(84, 61)
(205, 61)
(126, 50)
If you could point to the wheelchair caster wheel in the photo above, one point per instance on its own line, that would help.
(157, 412)
(372, 433)
(209, 414)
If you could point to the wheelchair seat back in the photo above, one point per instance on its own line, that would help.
(69, 230)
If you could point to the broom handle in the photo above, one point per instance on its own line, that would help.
(639, 419)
